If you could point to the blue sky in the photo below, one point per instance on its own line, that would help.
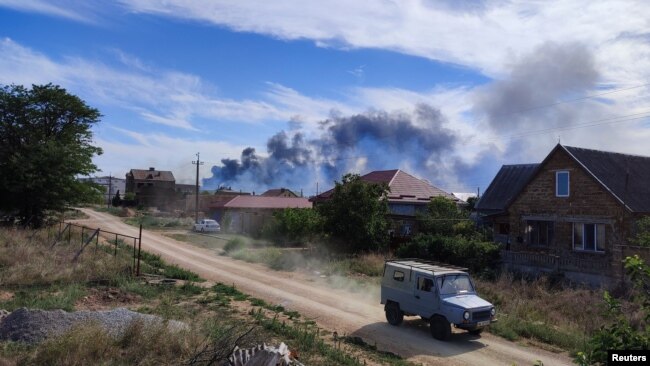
(447, 90)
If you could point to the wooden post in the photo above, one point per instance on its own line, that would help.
(134, 243)
(115, 252)
(139, 250)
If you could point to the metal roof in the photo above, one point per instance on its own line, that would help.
(263, 202)
(403, 187)
(505, 187)
(627, 177)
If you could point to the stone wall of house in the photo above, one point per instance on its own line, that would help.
(587, 201)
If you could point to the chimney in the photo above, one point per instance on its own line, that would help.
(151, 169)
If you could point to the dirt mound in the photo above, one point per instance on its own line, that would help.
(33, 326)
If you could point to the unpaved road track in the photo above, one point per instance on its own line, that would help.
(336, 310)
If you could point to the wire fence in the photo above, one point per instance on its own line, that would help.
(85, 236)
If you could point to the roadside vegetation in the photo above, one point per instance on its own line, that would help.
(37, 275)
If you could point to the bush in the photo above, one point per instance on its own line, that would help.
(294, 226)
(234, 245)
(477, 256)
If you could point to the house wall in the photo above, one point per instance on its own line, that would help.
(588, 202)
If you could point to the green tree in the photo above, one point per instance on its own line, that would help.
(623, 333)
(444, 217)
(355, 216)
(642, 237)
(45, 143)
(117, 200)
(295, 225)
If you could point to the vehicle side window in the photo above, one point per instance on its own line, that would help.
(425, 284)
(398, 276)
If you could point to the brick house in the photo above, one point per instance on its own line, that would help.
(574, 213)
(152, 188)
(408, 196)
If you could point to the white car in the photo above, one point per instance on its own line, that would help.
(207, 225)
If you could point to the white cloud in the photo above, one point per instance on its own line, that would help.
(485, 35)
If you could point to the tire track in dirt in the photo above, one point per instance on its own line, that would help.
(334, 309)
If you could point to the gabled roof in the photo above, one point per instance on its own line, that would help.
(505, 187)
(403, 187)
(277, 192)
(157, 175)
(626, 177)
(263, 202)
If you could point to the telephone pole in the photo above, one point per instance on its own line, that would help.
(198, 163)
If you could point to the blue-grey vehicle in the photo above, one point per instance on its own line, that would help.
(443, 295)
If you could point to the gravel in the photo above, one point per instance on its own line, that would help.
(33, 326)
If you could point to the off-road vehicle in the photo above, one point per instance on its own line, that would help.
(439, 293)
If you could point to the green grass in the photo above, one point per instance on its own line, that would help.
(115, 211)
(153, 263)
(152, 222)
(56, 297)
(203, 241)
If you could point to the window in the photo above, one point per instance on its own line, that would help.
(398, 276)
(539, 232)
(425, 284)
(454, 284)
(562, 184)
(589, 237)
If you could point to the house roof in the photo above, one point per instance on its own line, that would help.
(505, 187)
(277, 192)
(157, 175)
(403, 187)
(263, 202)
(627, 177)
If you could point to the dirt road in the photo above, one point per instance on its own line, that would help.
(336, 310)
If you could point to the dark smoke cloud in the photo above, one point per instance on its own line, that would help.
(552, 72)
(380, 139)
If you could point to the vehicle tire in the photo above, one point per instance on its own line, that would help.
(440, 328)
(476, 331)
(394, 315)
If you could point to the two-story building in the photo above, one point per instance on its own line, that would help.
(152, 188)
(571, 214)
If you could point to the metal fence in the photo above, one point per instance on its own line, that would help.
(87, 235)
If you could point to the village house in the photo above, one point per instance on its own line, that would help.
(572, 214)
(248, 214)
(279, 192)
(408, 196)
(152, 188)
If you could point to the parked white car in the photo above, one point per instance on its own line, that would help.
(207, 225)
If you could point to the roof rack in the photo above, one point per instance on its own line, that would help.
(427, 265)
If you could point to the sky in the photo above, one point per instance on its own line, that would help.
(297, 93)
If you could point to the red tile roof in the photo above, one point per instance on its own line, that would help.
(403, 187)
(263, 202)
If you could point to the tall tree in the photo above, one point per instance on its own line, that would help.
(45, 142)
(355, 215)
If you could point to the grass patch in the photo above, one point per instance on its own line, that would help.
(234, 245)
(203, 241)
(154, 263)
(55, 298)
(115, 211)
(153, 222)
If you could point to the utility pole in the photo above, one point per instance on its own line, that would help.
(198, 163)
(110, 189)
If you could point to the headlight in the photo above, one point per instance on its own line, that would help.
(466, 315)
(493, 312)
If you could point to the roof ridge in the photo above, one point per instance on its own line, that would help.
(607, 152)
(394, 176)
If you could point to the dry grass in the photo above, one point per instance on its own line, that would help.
(556, 315)
(26, 259)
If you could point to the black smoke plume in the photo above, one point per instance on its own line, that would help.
(363, 142)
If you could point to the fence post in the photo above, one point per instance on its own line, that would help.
(139, 250)
(82, 234)
(134, 244)
(115, 252)
(97, 239)
(69, 233)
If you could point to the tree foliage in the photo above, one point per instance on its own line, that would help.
(642, 237)
(45, 142)
(355, 216)
(294, 225)
(623, 333)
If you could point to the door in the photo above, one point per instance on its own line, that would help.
(425, 296)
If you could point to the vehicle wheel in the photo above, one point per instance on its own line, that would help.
(440, 328)
(476, 331)
(394, 315)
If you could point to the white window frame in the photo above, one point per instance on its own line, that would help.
(582, 245)
(557, 183)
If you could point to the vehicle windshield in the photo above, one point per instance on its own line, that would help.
(454, 284)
